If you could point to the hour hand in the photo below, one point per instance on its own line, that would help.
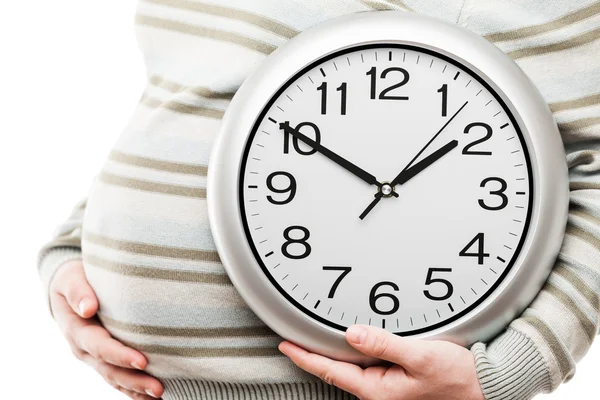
(354, 169)
(409, 173)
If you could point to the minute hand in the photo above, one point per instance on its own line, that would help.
(409, 173)
(359, 172)
(395, 181)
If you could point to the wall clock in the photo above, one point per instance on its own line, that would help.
(387, 169)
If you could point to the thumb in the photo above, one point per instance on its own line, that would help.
(379, 343)
(72, 284)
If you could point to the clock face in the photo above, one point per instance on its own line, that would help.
(387, 185)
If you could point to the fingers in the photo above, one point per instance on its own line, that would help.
(74, 303)
(412, 354)
(345, 376)
(139, 385)
(88, 336)
(70, 282)
(134, 395)
(96, 341)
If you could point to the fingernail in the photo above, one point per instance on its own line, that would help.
(356, 334)
(136, 366)
(149, 393)
(82, 307)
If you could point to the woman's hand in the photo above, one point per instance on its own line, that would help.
(74, 306)
(424, 370)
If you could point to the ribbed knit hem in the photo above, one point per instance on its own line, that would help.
(511, 368)
(185, 389)
(51, 261)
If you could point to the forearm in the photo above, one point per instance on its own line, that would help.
(64, 246)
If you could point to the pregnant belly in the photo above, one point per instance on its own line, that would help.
(162, 290)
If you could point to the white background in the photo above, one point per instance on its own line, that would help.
(70, 76)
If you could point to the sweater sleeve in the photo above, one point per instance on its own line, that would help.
(64, 246)
(539, 350)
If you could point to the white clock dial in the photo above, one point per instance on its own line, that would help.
(386, 185)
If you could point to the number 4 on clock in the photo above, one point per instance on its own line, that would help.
(480, 254)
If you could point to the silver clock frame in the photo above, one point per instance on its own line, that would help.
(550, 176)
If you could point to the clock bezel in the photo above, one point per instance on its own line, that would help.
(517, 92)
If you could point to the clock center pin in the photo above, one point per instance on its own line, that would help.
(386, 189)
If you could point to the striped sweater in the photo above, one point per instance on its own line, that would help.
(144, 235)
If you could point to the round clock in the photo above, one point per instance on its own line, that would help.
(387, 169)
